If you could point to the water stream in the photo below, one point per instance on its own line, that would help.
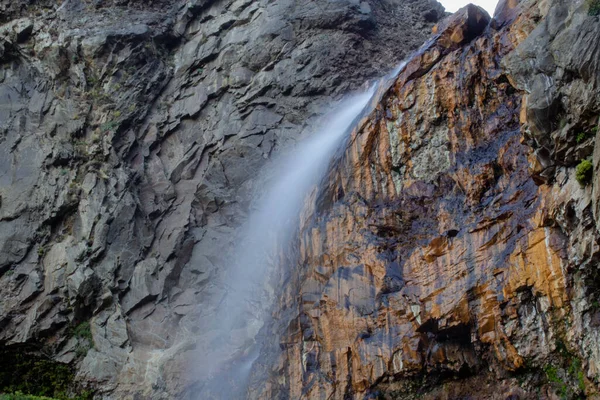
(224, 365)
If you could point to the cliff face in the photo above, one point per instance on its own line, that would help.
(452, 252)
(131, 136)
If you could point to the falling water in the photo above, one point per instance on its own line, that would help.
(226, 360)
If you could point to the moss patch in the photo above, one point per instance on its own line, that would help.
(21, 396)
(83, 333)
(593, 7)
(575, 371)
(566, 374)
(24, 374)
(584, 172)
(585, 135)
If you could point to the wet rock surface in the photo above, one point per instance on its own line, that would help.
(452, 252)
(131, 138)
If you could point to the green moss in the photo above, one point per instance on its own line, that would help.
(83, 333)
(81, 351)
(23, 375)
(109, 127)
(593, 7)
(566, 376)
(21, 396)
(41, 251)
(585, 135)
(93, 81)
(575, 371)
(552, 373)
(581, 136)
(584, 172)
(581, 381)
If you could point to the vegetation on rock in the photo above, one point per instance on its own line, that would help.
(594, 7)
(21, 396)
(584, 172)
(22, 372)
(584, 135)
(83, 333)
(566, 374)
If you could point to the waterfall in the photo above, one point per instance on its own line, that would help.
(224, 363)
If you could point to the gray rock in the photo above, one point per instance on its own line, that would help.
(132, 134)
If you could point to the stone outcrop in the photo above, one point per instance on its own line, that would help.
(131, 137)
(452, 252)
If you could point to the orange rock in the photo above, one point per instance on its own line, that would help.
(435, 254)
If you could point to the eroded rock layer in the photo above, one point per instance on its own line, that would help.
(452, 252)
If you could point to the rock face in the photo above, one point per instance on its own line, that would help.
(131, 136)
(452, 252)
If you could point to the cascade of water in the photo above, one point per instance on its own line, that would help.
(241, 315)
(224, 364)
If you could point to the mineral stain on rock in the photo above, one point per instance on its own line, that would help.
(451, 251)
(436, 190)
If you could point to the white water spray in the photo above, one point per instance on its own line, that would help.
(225, 362)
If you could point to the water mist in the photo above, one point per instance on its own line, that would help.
(224, 364)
